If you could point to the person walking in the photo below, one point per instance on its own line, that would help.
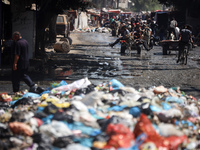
(20, 63)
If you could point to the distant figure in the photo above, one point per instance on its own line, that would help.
(173, 25)
(177, 32)
(185, 39)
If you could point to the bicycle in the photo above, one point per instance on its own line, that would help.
(184, 54)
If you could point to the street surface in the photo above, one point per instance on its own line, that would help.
(91, 57)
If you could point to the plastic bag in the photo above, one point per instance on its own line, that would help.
(167, 130)
(93, 98)
(171, 99)
(20, 128)
(55, 129)
(175, 141)
(29, 94)
(115, 84)
(135, 112)
(160, 89)
(139, 140)
(83, 83)
(144, 125)
(4, 97)
(120, 136)
(54, 85)
(23, 101)
(77, 147)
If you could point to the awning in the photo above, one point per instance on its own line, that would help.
(158, 10)
(129, 13)
(93, 12)
(114, 11)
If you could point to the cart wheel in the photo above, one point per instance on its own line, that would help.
(123, 48)
(139, 48)
(113, 32)
(165, 50)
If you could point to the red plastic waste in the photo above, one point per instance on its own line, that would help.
(144, 125)
(4, 97)
(20, 128)
(120, 136)
(39, 122)
(175, 141)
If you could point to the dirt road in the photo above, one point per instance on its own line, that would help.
(148, 69)
(91, 57)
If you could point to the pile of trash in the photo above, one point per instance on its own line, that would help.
(97, 29)
(108, 116)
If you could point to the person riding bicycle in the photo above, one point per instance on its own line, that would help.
(184, 39)
(137, 35)
(125, 36)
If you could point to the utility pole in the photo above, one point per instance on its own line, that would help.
(117, 4)
(0, 29)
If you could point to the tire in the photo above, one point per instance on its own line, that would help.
(146, 46)
(185, 56)
(139, 48)
(151, 44)
(165, 48)
(123, 48)
(113, 32)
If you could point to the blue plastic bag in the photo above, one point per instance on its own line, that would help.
(166, 106)
(54, 85)
(115, 84)
(174, 100)
(155, 109)
(47, 120)
(33, 95)
(135, 112)
(45, 92)
(84, 129)
(117, 108)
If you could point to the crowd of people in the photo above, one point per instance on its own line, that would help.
(170, 31)
(138, 29)
(135, 28)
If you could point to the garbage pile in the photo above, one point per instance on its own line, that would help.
(108, 116)
(97, 29)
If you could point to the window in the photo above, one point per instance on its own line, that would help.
(60, 19)
(122, 1)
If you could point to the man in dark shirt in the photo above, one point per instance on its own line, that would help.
(185, 39)
(20, 62)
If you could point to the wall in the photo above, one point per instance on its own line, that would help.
(123, 4)
(25, 24)
(195, 23)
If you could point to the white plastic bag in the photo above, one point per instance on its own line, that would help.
(82, 83)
